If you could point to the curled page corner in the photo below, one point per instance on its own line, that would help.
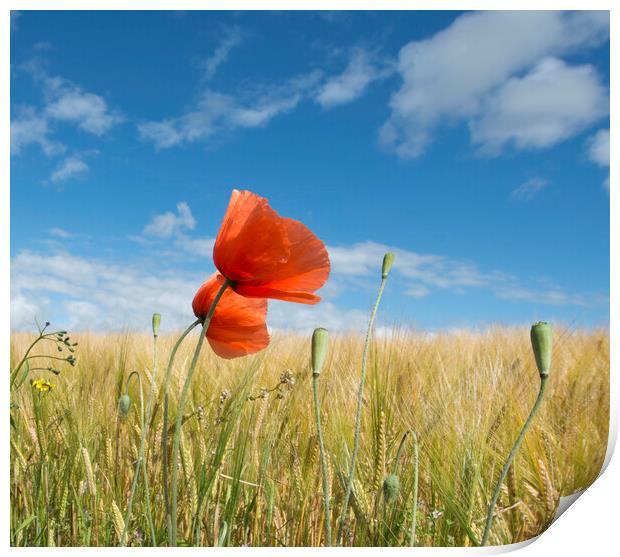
(566, 501)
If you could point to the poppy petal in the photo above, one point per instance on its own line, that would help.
(307, 267)
(268, 291)
(238, 325)
(252, 241)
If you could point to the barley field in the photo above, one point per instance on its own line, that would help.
(249, 472)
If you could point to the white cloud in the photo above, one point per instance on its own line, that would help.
(449, 77)
(287, 316)
(551, 103)
(25, 309)
(422, 274)
(199, 247)
(88, 111)
(232, 38)
(170, 224)
(353, 81)
(30, 127)
(598, 151)
(545, 296)
(598, 148)
(63, 101)
(71, 167)
(167, 236)
(59, 233)
(364, 259)
(219, 113)
(82, 315)
(529, 189)
(96, 294)
(417, 291)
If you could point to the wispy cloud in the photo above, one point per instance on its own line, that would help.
(598, 148)
(97, 294)
(88, 111)
(218, 113)
(59, 233)
(66, 101)
(62, 102)
(598, 151)
(170, 224)
(232, 37)
(418, 274)
(422, 274)
(529, 189)
(362, 69)
(29, 127)
(71, 167)
(169, 235)
(445, 82)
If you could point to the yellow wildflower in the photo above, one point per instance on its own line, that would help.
(42, 385)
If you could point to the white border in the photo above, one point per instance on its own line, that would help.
(588, 527)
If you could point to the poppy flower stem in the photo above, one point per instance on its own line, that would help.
(180, 408)
(317, 411)
(360, 400)
(513, 452)
(164, 439)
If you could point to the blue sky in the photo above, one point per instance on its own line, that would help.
(476, 146)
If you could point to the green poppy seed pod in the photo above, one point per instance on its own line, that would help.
(156, 323)
(124, 405)
(542, 342)
(320, 339)
(388, 261)
(391, 488)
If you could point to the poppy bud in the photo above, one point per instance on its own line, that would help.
(124, 405)
(156, 323)
(541, 335)
(391, 487)
(388, 261)
(320, 338)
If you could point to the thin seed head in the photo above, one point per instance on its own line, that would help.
(118, 521)
(90, 475)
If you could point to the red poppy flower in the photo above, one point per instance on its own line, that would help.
(269, 256)
(237, 326)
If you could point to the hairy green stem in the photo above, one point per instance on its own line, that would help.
(23, 360)
(42, 336)
(513, 452)
(164, 437)
(317, 412)
(181, 405)
(358, 416)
